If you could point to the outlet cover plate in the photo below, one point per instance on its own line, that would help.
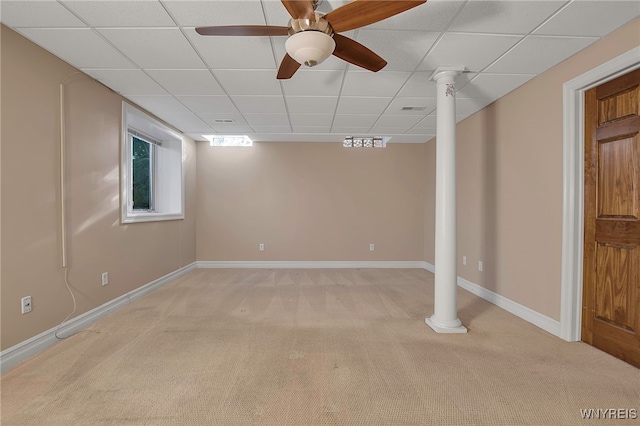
(26, 304)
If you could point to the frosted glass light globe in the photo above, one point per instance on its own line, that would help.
(310, 47)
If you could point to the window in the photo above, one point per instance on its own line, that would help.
(151, 170)
(229, 140)
(142, 173)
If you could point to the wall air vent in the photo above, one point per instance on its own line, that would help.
(224, 120)
(413, 108)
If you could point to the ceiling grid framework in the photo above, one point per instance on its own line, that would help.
(148, 51)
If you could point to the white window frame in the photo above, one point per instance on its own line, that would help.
(168, 168)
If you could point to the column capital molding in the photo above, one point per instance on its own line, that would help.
(453, 70)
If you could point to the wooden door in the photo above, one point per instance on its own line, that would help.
(611, 288)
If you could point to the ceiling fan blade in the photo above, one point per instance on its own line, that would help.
(353, 52)
(359, 13)
(300, 9)
(244, 30)
(288, 67)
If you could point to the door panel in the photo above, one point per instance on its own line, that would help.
(615, 273)
(617, 106)
(611, 288)
(618, 178)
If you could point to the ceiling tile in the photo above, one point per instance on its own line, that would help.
(249, 82)
(362, 105)
(296, 137)
(276, 13)
(429, 133)
(260, 104)
(420, 85)
(590, 18)
(387, 131)
(232, 129)
(355, 120)
(272, 129)
(209, 104)
(434, 15)
(127, 82)
(187, 123)
(218, 12)
(314, 83)
(350, 130)
(48, 14)
(224, 52)
(474, 51)
(537, 54)
(154, 47)
(403, 50)
(429, 122)
(101, 13)
(403, 121)
(311, 104)
(380, 84)
(311, 120)
(238, 120)
(396, 106)
(312, 129)
(504, 17)
(493, 86)
(267, 119)
(466, 107)
(160, 104)
(187, 82)
(80, 47)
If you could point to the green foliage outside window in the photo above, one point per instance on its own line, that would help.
(142, 169)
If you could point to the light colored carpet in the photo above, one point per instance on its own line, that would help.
(312, 347)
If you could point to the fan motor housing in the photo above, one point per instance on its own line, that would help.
(320, 24)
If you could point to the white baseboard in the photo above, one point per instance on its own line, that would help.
(544, 322)
(536, 318)
(311, 264)
(30, 347)
(429, 267)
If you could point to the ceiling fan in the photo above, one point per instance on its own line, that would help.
(314, 37)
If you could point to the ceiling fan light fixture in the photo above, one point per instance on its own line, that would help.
(310, 47)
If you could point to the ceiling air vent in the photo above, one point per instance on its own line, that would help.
(414, 108)
(224, 120)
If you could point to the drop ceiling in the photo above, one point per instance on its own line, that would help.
(149, 52)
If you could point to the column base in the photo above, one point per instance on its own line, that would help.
(439, 328)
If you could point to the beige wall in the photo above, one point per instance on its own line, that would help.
(31, 261)
(310, 201)
(509, 159)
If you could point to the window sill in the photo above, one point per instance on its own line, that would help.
(151, 217)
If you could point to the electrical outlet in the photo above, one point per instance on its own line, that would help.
(105, 278)
(26, 304)
(261, 247)
(464, 260)
(480, 265)
(372, 247)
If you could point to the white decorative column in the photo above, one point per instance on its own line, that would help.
(445, 316)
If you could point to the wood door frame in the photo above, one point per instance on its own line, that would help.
(573, 186)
